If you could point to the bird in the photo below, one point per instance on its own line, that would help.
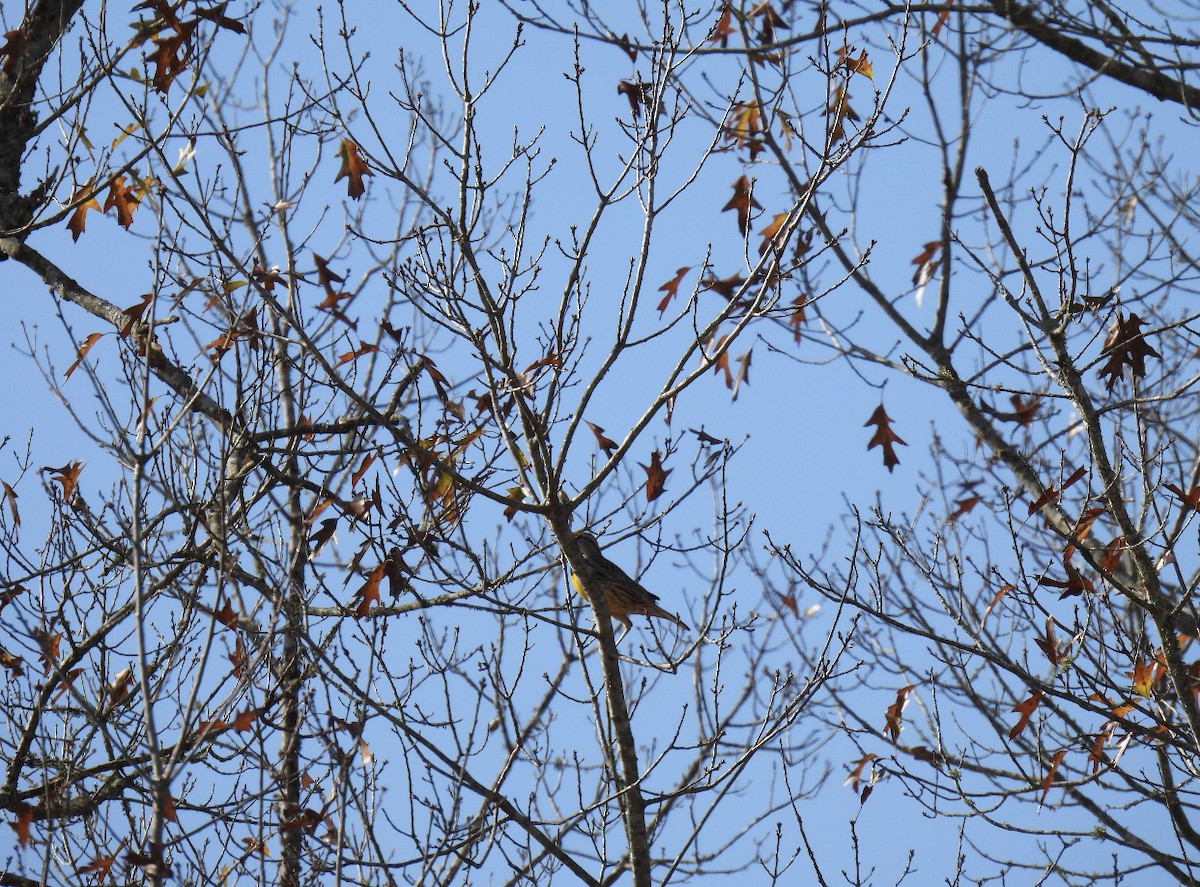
(625, 595)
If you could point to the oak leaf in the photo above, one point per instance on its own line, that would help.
(743, 202)
(1191, 498)
(10, 496)
(369, 593)
(724, 28)
(83, 350)
(1025, 709)
(353, 168)
(884, 437)
(124, 198)
(86, 201)
(68, 476)
(1125, 347)
(605, 443)
(656, 476)
(894, 715)
(671, 288)
(1048, 781)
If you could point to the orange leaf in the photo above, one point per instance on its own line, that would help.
(1190, 498)
(244, 722)
(1057, 653)
(744, 129)
(943, 17)
(369, 593)
(83, 350)
(353, 168)
(743, 201)
(798, 316)
(884, 437)
(1096, 756)
(1048, 781)
(49, 647)
(671, 288)
(124, 198)
(168, 808)
(1025, 709)
(119, 687)
(925, 261)
(100, 866)
(358, 475)
(856, 774)
(23, 823)
(894, 715)
(656, 476)
(78, 220)
(355, 355)
(67, 683)
(724, 28)
(238, 657)
(227, 616)
(770, 234)
(11, 495)
(1144, 676)
(1052, 493)
(854, 65)
(1004, 589)
(608, 445)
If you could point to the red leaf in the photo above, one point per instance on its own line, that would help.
(884, 437)
(608, 445)
(1048, 781)
(1025, 709)
(1190, 498)
(244, 722)
(671, 288)
(227, 616)
(355, 355)
(856, 774)
(100, 866)
(23, 823)
(724, 28)
(656, 476)
(743, 201)
(1125, 347)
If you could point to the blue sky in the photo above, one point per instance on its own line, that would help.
(804, 458)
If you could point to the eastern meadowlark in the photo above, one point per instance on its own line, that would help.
(625, 596)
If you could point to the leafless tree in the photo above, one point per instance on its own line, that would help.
(295, 609)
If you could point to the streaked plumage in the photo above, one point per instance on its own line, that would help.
(624, 594)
